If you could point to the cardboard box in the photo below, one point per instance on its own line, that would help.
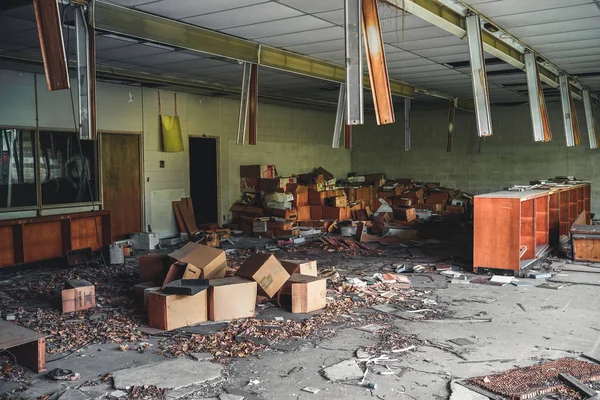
(212, 262)
(258, 171)
(260, 226)
(338, 201)
(300, 194)
(401, 201)
(249, 185)
(405, 213)
(290, 215)
(304, 213)
(142, 290)
(340, 214)
(303, 293)
(231, 298)
(275, 205)
(78, 295)
(455, 209)
(145, 241)
(286, 232)
(266, 271)
(377, 179)
(153, 267)
(438, 197)
(272, 184)
(280, 225)
(280, 197)
(304, 267)
(434, 207)
(316, 212)
(172, 311)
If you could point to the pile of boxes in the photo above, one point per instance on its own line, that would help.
(276, 206)
(194, 285)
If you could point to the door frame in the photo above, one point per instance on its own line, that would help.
(140, 136)
(218, 149)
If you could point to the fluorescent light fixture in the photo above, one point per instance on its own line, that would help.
(537, 102)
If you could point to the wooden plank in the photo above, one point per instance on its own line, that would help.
(51, 43)
(576, 384)
(179, 217)
(42, 241)
(187, 213)
(121, 183)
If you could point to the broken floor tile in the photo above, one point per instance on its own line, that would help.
(171, 374)
(343, 371)
(228, 396)
(311, 389)
(462, 341)
(73, 394)
(459, 392)
(202, 356)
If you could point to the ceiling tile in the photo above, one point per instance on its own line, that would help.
(280, 27)
(314, 6)
(335, 17)
(547, 16)
(294, 39)
(511, 7)
(188, 8)
(562, 37)
(555, 27)
(249, 15)
(163, 58)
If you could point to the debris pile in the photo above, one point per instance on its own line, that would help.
(536, 380)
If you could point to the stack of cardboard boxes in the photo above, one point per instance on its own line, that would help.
(188, 286)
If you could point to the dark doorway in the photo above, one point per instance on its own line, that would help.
(203, 179)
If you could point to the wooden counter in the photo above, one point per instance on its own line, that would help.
(25, 240)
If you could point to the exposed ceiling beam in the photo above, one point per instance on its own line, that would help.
(130, 22)
(449, 18)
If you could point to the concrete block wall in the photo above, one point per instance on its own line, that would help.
(295, 140)
(509, 157)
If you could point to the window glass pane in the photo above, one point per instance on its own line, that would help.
(17, 173)
(65, 168)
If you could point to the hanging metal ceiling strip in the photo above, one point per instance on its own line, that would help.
(569, 114)
(537, 101)
(481, 93)
(339, 117)
(354, 62)
(591, 120)
(451, 21)
(407, 124)
(253, 105)
(244, 104)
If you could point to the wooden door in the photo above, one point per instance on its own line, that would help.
(121, 183)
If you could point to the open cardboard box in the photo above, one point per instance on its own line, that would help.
(203, 262)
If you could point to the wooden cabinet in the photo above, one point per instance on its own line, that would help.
(511, 229)
(566, 204)
(41, 238)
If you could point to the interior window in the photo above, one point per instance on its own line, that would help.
(67, 168)
(17, 173)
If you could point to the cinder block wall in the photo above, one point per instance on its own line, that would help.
(509, 157)
(296, 140)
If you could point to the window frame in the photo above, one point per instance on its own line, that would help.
(39, 207)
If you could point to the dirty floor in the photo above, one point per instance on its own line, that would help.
(466, 330)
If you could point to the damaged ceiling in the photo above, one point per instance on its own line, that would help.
(565, 32)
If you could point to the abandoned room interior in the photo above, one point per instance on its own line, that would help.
(299, 199)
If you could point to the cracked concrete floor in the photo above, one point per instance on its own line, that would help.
(556, 323)
(552, 324)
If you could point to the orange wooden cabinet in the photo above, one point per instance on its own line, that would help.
(511, 229)
(566, 204)
(27, 240)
